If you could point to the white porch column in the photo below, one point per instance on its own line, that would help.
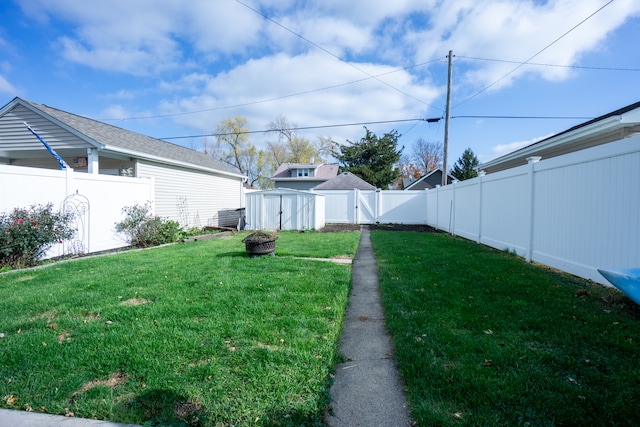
(92, 160)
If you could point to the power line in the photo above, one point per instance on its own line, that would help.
(332, 54)
(303, 128)
(521, 64)
(551, 65)
(523, 117)
(428, 120)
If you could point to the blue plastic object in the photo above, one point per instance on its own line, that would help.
(625, 279)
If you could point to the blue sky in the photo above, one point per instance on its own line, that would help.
(177, 68)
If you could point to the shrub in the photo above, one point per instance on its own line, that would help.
(26, 234)
(143, 229)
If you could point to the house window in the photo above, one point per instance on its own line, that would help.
(303, 172)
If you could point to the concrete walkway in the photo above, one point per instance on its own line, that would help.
(367, 389)
(11, 418)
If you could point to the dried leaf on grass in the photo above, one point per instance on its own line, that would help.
(135, 301)
(116, 379)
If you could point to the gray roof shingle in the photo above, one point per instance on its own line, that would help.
(117, 139)
(345, 181)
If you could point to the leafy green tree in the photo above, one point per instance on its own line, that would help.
(466, 166)
(372, 158)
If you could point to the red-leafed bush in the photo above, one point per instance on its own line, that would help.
(26, 234)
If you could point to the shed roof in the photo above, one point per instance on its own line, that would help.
(106, 137)
(345, 181)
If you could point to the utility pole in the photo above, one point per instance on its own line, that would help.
(446, 123)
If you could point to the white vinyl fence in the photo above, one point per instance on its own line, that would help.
(374, 206)
(577, 212)
(97, 201)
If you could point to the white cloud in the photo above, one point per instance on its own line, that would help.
(6, 87)
(122, 94)
(502, 149)
(147, 36)
(205, 55)
(272, 77)
(515, 31)
(118, 115)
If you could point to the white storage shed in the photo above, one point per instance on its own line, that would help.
(284, 209)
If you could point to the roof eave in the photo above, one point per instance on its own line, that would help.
(603, 126)
(27, 105)
(166, 161)
(299, 179)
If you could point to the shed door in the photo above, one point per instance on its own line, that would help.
(279, 212)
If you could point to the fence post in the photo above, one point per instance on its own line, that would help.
(532, 181)
(452, 214)
(68, 181)
(259, 225)
(437, 206)
(378, 204)
(481, 175)
(356, 200)
(426, 205)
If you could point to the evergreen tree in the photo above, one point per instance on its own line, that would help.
(465, 167)
(373, 158)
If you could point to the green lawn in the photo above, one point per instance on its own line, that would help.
(195, 333)
(484, 339)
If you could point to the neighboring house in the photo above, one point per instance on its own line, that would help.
(614, 126)
(303, 176)
(428, 181)
(345, 181)
(189, 186)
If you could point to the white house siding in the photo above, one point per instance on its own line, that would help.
(21, 139)
(190, 197)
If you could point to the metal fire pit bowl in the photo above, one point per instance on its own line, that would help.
(260, 243)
